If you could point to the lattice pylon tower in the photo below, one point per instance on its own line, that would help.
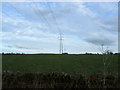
(61, 43)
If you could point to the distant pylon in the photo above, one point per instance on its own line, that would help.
(61, 44)
(102, 45)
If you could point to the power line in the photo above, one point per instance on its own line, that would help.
(36, 7)
(54, 17)
(18, 11)
(60, 32)
(43, 19)
(60, 37)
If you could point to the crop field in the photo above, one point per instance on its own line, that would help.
(73, 64)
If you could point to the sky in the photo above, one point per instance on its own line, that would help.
(34, 27)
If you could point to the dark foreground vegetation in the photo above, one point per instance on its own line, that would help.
(56, 80)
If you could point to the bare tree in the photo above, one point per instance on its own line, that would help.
(106, 61)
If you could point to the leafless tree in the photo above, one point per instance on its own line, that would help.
(106, 61)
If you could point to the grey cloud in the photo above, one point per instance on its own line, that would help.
(113, 28)
(9, 46)
(21, 47)
(110, 25)
(17, 46)
(24, 47)
(112, 21)
(99, 41)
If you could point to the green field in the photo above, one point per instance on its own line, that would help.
(73, 64)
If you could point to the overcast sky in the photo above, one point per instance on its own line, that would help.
(34, 27)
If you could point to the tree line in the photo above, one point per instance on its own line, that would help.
(108, 53)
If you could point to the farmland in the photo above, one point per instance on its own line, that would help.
(73, 64)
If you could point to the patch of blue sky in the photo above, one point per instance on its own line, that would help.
(10, 11)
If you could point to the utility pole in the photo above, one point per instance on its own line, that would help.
(102, 48)
(104, 63)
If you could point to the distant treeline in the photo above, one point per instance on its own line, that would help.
(11, 53)
(110, 53)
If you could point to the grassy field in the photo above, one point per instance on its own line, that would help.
(72, 63)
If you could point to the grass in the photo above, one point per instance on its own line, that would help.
(72, 64)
